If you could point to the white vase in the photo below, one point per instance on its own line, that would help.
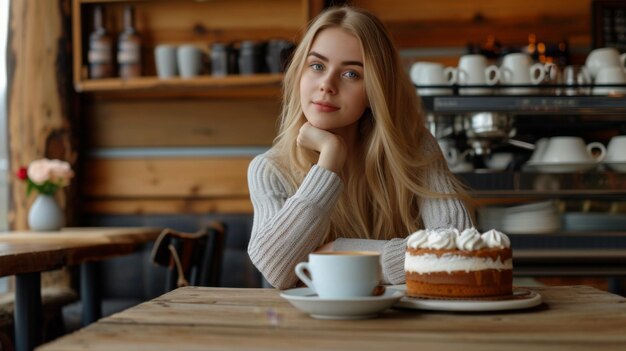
(45, 214)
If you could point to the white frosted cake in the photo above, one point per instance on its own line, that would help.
(446, 263)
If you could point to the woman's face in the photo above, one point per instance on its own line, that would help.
(332, 89)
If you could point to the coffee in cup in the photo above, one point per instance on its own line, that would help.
(341, 274)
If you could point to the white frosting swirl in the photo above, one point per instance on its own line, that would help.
(495, 239)
(418, 240)
(443, 239)
(470, 239)
(449, 239)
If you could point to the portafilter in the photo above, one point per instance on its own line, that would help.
(485, 129)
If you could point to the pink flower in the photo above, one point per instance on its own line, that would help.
(60, 172)
(46, 176)
(39, 171)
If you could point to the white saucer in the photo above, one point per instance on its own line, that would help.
(522, 298)
(307, 301)
(561, 167)
(618, 166)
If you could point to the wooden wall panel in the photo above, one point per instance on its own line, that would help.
(421, 10)
(181, 122)
(139, 206)
(418, 24)
(162, 178)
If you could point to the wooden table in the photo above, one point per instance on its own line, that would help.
(26, 254)
(195, 318)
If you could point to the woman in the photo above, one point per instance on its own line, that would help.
(353, 166)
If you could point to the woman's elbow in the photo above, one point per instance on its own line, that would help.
(275, 276)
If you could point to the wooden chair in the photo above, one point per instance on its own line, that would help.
(192, 258)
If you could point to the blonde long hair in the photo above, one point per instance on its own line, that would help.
(399, 156)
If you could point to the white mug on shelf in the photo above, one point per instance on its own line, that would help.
(431, 73)
(189, 61)
(567, 149)
(602, 58)
(474, 70)
(165, 61)
(616, 151)
(574, 77)
(611, 75)
(540, 149)
(518, 69)
(449, 150)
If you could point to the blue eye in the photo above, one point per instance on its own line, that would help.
(351, 75)
(316, 66)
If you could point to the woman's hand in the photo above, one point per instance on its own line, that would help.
(331, 147)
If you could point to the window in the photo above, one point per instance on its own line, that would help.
(4, 154)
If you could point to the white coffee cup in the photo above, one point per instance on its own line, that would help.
(499, 161)
(432, 73)
(573, 77)
(189, 61)
(567, 149)
(604, 57)
(449, 150)
(616, 151)
(518, 69)
(462, 167)
(540, 149)
(341, 274)
(165, 61)
(474, 70)
(610, 75)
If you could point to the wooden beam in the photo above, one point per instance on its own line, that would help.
(39, 94)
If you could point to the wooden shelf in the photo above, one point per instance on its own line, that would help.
(260, 81)
(190, 22)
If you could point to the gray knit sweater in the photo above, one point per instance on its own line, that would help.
(288, 221)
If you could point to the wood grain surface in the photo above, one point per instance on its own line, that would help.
(193, 318)
(23, 251)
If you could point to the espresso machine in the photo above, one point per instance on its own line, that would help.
(481, 132)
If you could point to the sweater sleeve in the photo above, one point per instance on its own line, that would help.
(287, 228)
(442, 213)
